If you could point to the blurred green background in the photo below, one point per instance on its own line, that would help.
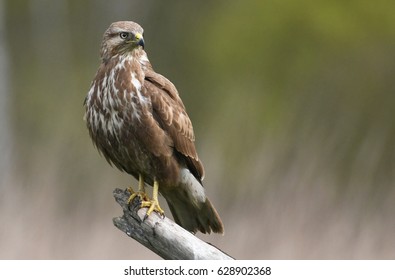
(292, 104)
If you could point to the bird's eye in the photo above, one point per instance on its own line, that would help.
(123, 35)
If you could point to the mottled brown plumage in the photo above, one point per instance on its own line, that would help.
(137, 120)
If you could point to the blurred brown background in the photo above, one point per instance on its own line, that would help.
(292, 104)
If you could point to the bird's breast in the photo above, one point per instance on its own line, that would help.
(116, 98)
(117, 111)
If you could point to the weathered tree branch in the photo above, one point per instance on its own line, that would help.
(161, 235)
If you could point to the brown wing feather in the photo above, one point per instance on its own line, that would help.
(170, 113)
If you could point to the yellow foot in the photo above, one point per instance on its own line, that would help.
(141, 195)
(152, 205)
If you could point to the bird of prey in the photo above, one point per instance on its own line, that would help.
(137, 120)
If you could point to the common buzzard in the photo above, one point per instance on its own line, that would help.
(137, 120)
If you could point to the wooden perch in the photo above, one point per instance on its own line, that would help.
(161, 235)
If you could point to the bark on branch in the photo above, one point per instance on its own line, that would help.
(161, 235)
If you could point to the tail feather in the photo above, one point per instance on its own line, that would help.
(190, 207)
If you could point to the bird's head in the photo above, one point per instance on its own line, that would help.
(121, 37)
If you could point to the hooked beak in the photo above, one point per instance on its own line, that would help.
(139, 40)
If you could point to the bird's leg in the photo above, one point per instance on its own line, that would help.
(154, 203)
(140, 193)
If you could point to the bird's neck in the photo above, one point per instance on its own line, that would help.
(138, 55)
(142, 58)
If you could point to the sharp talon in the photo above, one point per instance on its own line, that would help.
(133, 196)
(155, 207)
(130, 190)
(142, 196)
(151, 204)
